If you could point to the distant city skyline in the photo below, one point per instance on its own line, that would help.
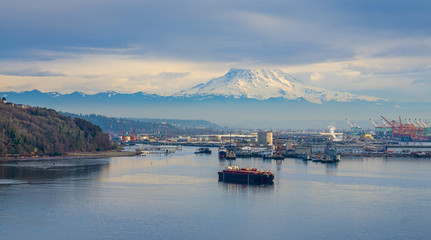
(380, 49)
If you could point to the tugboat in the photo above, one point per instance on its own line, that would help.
(222, 152)
(267, 155)
(245, 176)
(278, 156)
(231, 153)
(203, 150)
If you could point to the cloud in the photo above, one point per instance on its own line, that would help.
(315, 77)
(32, 73)
(171, 75)
(158, 46)
(93, 73)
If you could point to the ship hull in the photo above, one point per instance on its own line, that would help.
(222, 153)
(245, 178)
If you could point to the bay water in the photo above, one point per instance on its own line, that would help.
(178, 196)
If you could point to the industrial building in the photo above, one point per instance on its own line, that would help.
(265, 138)
(409, 147)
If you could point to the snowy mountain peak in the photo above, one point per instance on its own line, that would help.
(263, 84)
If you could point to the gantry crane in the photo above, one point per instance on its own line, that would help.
(405, 131)
(354, 129)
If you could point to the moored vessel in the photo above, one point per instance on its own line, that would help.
(203, 150)
(231, 153)
(234, 174)
(278, 155)
(222, 152)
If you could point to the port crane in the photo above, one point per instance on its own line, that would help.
(409, 121)
(132, 135)
(381, 130)
(374, 124)
(419, 123)
(354, 129)
(385, 124)
(423, 124)
(406, 131)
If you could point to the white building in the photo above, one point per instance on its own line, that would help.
(265, 138)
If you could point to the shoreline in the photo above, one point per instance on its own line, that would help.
(70, 156)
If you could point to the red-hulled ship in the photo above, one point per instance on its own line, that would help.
(245, 175)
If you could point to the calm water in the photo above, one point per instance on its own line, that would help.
(179, 197)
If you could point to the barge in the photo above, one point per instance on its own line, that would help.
(245, 176)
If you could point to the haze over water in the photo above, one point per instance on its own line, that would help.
(179, 197)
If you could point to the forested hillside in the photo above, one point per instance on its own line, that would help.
(40, 131)
(149, 126)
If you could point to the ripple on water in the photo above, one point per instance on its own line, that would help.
(11, 182)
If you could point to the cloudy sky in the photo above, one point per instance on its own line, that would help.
(379, 48)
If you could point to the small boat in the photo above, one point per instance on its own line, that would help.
(157, 150)
(278, 156)
(222, 152)
(271, 155)
(267, 155)
(233, 174)
(231, 152)
(325, 158)
(203, 150)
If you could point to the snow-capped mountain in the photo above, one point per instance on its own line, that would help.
(263, 84)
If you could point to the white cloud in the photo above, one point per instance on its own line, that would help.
(315, 77)
(99, 72)
(118, 71)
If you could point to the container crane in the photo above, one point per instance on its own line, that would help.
(350, 124)
(425, 125)
(407, 131)
(413, 123)
(374, 124)
(426, 128)
(385, 124)
(381, 130)
(132, 136)
(354, 129)
(418, 123)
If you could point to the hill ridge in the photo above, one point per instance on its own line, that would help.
(36, 131)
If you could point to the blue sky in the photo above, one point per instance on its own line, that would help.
(379, 48)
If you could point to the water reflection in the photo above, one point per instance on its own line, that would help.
(331, 168)
(278, 164)
(179, 197)
(40, 171)
(244, 189)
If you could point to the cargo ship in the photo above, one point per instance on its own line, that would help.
(233, 174)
